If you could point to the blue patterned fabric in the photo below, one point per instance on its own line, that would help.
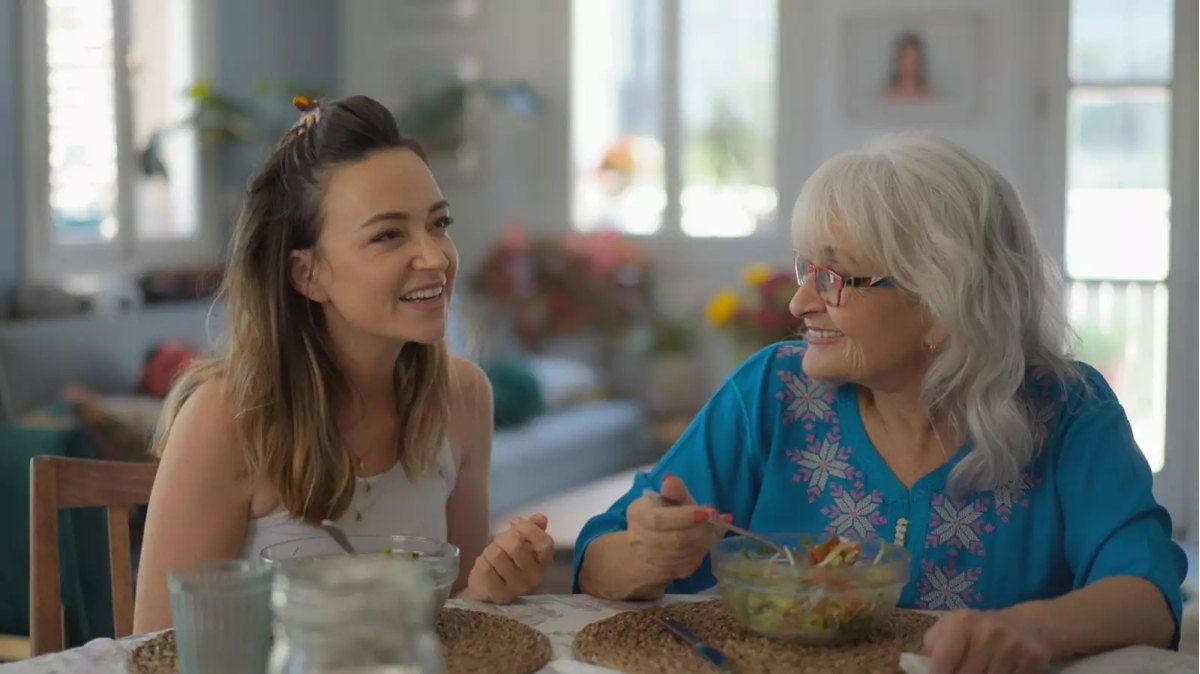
(785, 453)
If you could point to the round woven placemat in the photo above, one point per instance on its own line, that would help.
(155, 655)
(636, 643)
(472, 642)
(483, 642)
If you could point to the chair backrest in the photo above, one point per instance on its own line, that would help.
(60, 482)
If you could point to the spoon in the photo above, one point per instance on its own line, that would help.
(728, 526)
(335, 532)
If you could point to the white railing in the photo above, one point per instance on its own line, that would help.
(1122, 328)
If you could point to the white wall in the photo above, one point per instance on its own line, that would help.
(1005, 130)
(526, 175)
(524, 161)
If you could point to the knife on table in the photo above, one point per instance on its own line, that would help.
(714, 656)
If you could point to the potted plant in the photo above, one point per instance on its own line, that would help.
(550, 286)
(437, 117)
(756, 315)
(222, 121)
(674, 383)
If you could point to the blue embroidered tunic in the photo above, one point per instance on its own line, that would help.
(783, 452)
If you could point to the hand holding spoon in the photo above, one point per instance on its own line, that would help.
(729, 526)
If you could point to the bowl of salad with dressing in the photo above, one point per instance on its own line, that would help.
(820, 589)
(437, 558)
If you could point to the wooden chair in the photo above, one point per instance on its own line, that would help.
(60, 482)
(13, 648)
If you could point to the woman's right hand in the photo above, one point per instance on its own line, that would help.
(671, 535)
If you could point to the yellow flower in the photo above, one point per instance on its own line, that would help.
(722, 307)
(757, 274)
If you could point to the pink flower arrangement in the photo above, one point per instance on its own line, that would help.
(558, 284)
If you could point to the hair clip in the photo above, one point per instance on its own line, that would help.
(310, 114)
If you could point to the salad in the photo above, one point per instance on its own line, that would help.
(826, 592)
(388, 552)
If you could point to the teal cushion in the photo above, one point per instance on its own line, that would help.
(517, 395)
(84, 578)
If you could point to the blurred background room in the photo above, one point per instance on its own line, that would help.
(622, 174)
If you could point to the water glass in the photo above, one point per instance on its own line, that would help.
(222, 615)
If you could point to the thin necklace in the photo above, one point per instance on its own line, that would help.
(366, 482)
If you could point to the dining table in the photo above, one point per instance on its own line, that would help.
(560, 617)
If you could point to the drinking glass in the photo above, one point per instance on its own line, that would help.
(222, 615)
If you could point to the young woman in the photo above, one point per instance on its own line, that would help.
(336, 397)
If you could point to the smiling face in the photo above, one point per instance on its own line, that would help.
(384, 264)
(877, 336)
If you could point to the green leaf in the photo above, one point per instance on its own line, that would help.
(201, 90)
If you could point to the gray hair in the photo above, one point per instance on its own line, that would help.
(951, 230)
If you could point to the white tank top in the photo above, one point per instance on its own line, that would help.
(389, 504)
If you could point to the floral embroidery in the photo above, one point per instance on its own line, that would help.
(1013, 495)
(805, 399)
(958, 524)
(786, 350)
(1045, 394)
(945, 588)
(854, 511)
(820, 462)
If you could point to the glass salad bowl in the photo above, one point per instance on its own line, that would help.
(438, 559)
(824, 590)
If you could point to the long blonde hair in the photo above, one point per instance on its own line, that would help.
(278, 371)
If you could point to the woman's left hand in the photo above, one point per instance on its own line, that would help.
(984, 642)
(512, 565)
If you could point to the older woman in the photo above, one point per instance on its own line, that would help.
(934, 403)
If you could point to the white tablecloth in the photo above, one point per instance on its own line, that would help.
(560, 617)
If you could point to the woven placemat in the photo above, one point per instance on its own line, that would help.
(472, 642)
(483, 642)
(636, 643)
(155, 655)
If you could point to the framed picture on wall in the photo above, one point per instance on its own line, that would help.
(445, 15)
(914, 67)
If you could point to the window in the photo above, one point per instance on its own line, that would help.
(616, 115)
(107, 82)
(1118, 201)
(673, 116)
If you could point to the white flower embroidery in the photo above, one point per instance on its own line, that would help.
(823, 463)
(957, 526)
(807, 397)
(1009, 496)
(945, 593)
(854, 514)
(1004, 498)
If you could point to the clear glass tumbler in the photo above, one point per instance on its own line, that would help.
(360, 614)
(222, 615)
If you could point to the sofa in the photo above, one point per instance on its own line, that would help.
(573, 442)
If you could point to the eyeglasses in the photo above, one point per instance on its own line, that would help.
(830, 283)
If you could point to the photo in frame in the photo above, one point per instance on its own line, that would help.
(913, 67)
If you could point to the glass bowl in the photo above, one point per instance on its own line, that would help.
(804, 602)
(438, 559)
